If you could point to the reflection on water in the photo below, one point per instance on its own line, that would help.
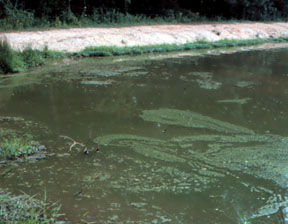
(182, 140)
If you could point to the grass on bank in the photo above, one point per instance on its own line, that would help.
(115, 51)
(15, 61)
(9, 59)
(12, 61)
(26, 209)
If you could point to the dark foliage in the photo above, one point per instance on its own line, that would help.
(70, 11)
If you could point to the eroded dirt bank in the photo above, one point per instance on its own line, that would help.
(76, 39)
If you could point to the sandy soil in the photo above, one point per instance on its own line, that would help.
(76, 39)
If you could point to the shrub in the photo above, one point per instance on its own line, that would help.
(69, 18)
(17, 18)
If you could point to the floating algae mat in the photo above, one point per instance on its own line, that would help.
(167, 139)
(191, 120)
(264, 156)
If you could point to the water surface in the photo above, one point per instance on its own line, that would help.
(191, 139)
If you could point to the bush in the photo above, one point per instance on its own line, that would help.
(16, 18)
(23, 14)
(69, 18)
(257, 10)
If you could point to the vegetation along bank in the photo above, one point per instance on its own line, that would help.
(20, 50)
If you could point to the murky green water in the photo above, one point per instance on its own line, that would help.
(192, 139)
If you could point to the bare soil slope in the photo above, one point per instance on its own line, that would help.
(76, 39)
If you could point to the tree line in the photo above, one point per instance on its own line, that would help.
(211, 9)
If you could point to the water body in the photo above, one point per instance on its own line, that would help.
(171, 139)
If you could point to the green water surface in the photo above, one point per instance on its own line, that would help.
(181, 139)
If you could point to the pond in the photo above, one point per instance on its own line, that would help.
(171, 138)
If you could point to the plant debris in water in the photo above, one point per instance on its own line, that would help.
(9, 119)
(97, 83)
(237, 101)
(204, 80)
(244, 84)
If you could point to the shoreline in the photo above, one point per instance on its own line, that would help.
(24, 50)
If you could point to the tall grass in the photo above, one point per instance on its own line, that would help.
(10, 61)
(26, 209)
(16, 61)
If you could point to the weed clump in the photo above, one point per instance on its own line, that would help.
(32, 57)
(26, 209)
(12, 147)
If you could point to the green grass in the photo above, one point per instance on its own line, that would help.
(26, 209)
(114, 51)
(12, 147)
(12, 61)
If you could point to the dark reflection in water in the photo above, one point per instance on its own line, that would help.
(89, 101)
